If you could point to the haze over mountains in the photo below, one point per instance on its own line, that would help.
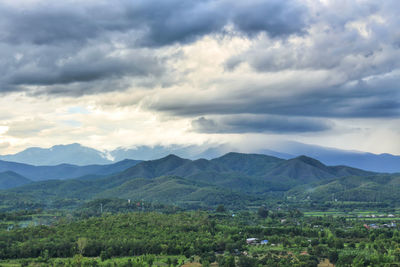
(77, 154)
(63, 171)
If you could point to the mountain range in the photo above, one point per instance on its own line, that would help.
(63, 171)
(234, 179)
(77, 154)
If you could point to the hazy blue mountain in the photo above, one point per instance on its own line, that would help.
(80, 155)
(64, 171)
(156, 152)
(60, 154)
(11, 179)
(332, 156)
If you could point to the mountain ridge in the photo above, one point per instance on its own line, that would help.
(9, 179)
(59, 154)
(244, 178)
(63, 171)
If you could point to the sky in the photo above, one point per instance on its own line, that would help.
(252, 73)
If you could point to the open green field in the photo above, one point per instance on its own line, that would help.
(354, 214)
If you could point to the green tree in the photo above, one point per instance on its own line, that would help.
(262, 212)
(220, 208)
(82, 243)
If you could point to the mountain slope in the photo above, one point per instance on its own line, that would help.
(233, 179)
(378, 187)
(305, 170)
(10, 179)
(250, 164)
(64, 171)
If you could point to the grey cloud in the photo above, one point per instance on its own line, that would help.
(160, 22)
(87, 67)
(360, 41)
(49, 45)
(272, 16)
(376, 97)
(259, 124)
(183, 21)
(27, 128)
(357, 50)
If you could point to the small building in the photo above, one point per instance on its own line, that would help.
(391, 216)
(374, 226)
(251, 240)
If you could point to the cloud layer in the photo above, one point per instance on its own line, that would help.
(56, 43)
(200, 71)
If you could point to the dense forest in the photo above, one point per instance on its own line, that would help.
(261, 238)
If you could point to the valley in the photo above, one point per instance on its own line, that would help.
(198, 212)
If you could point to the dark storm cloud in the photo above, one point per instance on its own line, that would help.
(258, 124)
(167, 22)
(50, 44)
(88, 67)
(157, 22)
(275, 17)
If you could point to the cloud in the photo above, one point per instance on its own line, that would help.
(259, 124)
(345, 66)
(369, 98)
(27, 127)
(155, 22)
(98, 46)
(4, 145)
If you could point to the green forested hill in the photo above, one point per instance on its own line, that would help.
(11, 179)
(374, 188)
(234, 179)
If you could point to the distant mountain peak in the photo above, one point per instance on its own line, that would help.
(172, 156)
(59, 154)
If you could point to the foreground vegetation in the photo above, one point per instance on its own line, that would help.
(219, 238)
